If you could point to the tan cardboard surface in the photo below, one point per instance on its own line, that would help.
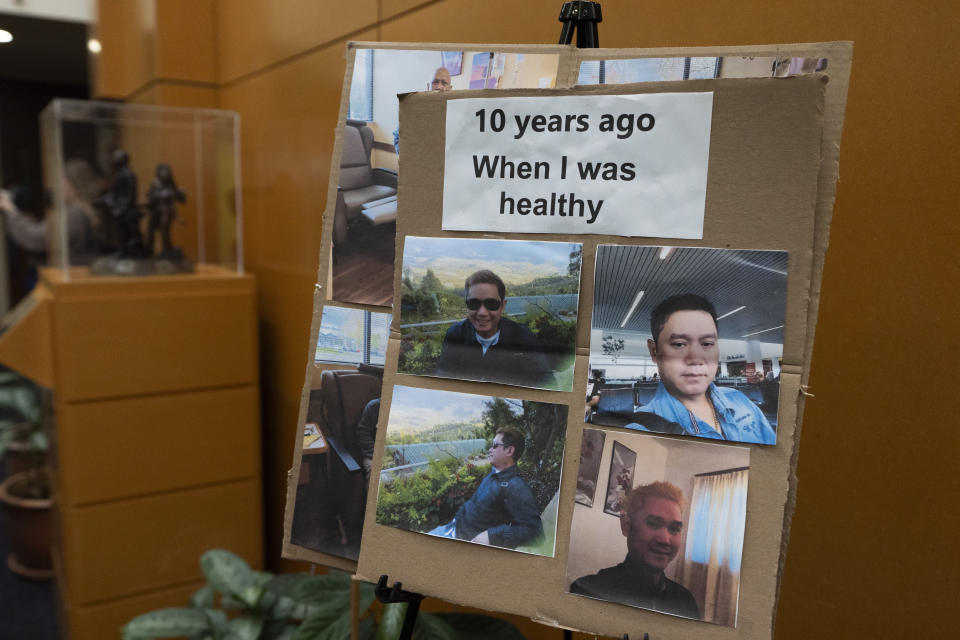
(325, 272)
(761, 194)
(792, 212)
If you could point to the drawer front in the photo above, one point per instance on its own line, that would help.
(104, 620)
(153, 343)
(134, 546)
(113, 449)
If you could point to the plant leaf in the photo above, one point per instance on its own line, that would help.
(250, 596)
(218, 621)
(285, 634)
(262, 578)
(475, 626)
(246, 628)
(431, 627)
(322, 626)
(227, 572)
(229, 602)
(285, 607)
(318, 589)
(322, 597)
(166, 623)
(368, 627)
(338, 630)
(366, 597)
(329, 619)
(391, 622)
(203, 597)
(368, 593)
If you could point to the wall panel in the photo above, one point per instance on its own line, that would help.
(391, 8)
(177, 95)
(493, 21)
(253, 34)
(186, 40)
(127, 33)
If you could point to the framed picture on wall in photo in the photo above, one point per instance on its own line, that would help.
(622, 466)
(591, 449)
(479, 70)
(452, 61)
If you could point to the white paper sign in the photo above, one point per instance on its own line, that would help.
(632, 165)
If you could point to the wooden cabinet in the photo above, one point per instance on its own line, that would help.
(156, 445)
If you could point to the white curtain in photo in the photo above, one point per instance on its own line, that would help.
(711, 567)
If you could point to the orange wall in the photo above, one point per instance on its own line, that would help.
(876, 512)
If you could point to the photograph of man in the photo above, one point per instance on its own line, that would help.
(684, 348)
(676, 545)
(344, 405)
(479, 469)
(652, 524)
(689, 340)
(441, 82)
(486, 346)
(460, 319)
(364, 229)
(501, 511)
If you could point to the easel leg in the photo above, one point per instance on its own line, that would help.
(354, 610)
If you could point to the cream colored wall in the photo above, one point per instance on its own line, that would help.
(529, 71)
(877, 448)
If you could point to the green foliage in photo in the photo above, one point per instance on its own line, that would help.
(426, 499)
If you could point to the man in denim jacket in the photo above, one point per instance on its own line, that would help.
(502, 511)
(685, 349)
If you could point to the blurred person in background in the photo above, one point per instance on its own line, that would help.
(81, 185)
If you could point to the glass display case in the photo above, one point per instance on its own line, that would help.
(141, 189)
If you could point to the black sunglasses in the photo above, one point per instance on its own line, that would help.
(492, 304)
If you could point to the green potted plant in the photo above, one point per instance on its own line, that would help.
(25, 493)
(238, 603)
(23, 443)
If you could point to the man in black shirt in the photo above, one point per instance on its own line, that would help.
(652, 525)
(488, 347)
(367, 434)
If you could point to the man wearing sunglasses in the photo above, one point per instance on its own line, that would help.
(502, 511)
(489, 347)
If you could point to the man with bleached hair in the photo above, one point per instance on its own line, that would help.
(651, 522)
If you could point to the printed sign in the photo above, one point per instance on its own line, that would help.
(633, 165)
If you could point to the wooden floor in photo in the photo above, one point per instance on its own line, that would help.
(363, 267)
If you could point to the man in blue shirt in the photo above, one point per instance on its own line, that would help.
(684, 348)
(502, 511)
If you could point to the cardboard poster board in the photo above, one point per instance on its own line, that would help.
(776, 197)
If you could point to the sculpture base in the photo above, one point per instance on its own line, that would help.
(164, 264)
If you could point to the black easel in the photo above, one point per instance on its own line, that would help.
(388, 595)
(582, 17)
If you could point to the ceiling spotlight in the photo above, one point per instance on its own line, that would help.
(93, 45)
(665, 251)
(5, 36)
